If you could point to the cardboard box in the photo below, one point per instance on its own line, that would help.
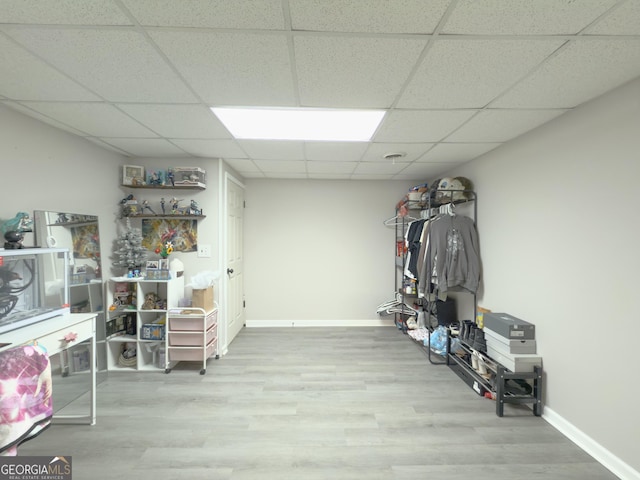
(152, 331)
(508, 346)
(203, 298)
(509, 326)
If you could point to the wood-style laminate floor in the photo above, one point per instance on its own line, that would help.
(307, 404)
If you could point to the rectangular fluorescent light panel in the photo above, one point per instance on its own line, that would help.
(300, 123)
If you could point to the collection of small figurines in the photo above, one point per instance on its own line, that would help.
(14, 228)
(139, 176)
(130, 207)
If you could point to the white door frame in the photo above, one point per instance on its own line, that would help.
(223, 310)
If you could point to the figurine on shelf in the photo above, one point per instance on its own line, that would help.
(13, 240)
(170, 177)
(194, 209)
(22, 222)
(175, 206)
(155, 178)
(129, 206)
(162, 202)
(145, 206)
(62, 218)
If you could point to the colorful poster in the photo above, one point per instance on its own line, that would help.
(182, 233)
(86, 241)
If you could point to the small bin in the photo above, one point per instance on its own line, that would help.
(192, 322)
(192, 339)
(191, 354)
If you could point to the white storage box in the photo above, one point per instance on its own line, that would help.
(508, 346)
(516, 362)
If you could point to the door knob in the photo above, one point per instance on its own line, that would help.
(229, 271)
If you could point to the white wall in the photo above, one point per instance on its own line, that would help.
(559, 235)
(44, 168)
(317, 250)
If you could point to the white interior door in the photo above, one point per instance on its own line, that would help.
(233, 268)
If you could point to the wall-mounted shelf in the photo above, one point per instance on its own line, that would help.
(149, 215)
(167, 187)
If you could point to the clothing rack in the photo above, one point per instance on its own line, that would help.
(407, 302)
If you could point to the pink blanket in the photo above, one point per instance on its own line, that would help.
(26, 407)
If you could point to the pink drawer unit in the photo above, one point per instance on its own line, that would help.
(192, 336)
(194, 354)
(192, 322)
(194, 339)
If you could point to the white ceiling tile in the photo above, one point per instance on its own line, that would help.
(331, 167)
(521, 17)
(146, 147)
(38, 116)
(232, 68)
(375, 16)
(261, 14)
(424, 170)
(379, 168)
(285, 174)
(95, 59)
(460, 73)
(410, 151)
(210, 148)
(370, 176)
(456, 152)
(328, 176)
(281, 166)
(353, 71)
(273, 149)
(501, 125)
(178, 121)
(584, 69)
(242, 165)
(344, 151)
(420, 125)
(624, 20)
(25, 77)
(95, 119)
(255, 175)
(62, 12)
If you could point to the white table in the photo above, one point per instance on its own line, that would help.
(51, 334)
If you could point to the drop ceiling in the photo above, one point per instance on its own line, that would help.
(457, 77)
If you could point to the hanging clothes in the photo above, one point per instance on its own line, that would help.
(412, 240)
(453, 254)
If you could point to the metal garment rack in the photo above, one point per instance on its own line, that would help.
(401, 226)
(447, 208)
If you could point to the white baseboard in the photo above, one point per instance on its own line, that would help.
(321, 323)
(589, 445)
